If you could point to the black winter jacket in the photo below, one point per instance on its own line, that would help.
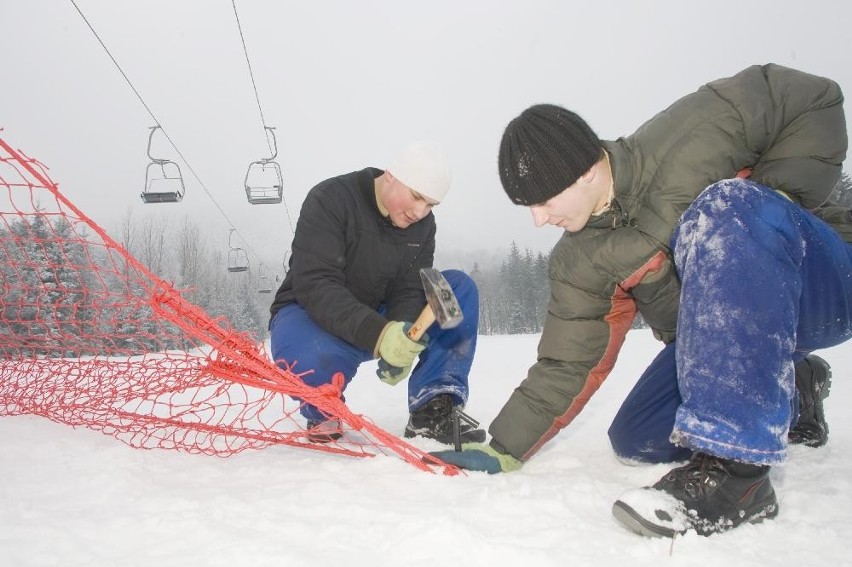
(348, 260)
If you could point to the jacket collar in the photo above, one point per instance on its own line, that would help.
(622, 174)
(622, 166)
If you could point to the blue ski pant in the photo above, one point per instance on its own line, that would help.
(763, 283)
(443, 367)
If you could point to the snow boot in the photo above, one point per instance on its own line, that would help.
(324, 431)
(434, 420)
(813, 381)
(709, 495)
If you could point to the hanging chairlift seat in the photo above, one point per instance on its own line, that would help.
(163, 183)
(237, 260)
(264, 283)
(263, 183)
(237, 257)
(163, 180)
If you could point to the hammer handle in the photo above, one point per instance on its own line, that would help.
(426, 318)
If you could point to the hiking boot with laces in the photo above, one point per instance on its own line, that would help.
(813, 381)
(324, 431)
(708, 494)
(435, 421)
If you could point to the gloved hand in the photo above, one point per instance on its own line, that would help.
(480, 457)
(397, 352)
(391, 375)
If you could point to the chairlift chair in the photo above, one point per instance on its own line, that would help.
(237, 260)
(263, 182)
(264, 283)
(163, 180)
(237, 257)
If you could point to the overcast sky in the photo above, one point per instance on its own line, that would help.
(346, 83)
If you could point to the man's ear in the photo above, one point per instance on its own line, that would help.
(591, 173)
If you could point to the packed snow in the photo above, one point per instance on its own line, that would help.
(75, 497)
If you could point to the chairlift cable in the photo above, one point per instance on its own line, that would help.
(259, 106)
(117, 66)
(251, 74)
(289, 218)
(165, 133)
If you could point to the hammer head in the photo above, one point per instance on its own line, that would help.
(441, 298)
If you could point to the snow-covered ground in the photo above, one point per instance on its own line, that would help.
(75, 497)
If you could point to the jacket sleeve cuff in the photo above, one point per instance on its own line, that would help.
(369, 332)
(379, 340)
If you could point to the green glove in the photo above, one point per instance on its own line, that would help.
(480, 457)
(397, 352)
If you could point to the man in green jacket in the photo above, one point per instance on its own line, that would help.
(712, 222)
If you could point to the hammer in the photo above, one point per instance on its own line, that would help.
(441, 304)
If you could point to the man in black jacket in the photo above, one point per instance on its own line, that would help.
(354, 288)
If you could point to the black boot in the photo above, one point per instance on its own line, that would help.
(324, 431)
(709, 494)
(435, 421)
(813, 381)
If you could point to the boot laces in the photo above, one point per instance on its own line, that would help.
(699, 476)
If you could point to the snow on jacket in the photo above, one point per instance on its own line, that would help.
(786, 126)
(348, 260)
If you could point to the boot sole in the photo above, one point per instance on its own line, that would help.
(633, 521)
(324, 438)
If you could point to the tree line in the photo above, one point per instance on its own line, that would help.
(64, 294)
(514, 295)
(182, 255)
(49, 271)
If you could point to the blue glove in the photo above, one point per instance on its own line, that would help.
(391, 375)
(480, 457)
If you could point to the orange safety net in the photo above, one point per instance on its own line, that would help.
(90, 337)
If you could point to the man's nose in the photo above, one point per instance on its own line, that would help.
(421, 208)
(539, 216)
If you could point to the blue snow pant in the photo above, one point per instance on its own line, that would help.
(443, 366)
(763, 283)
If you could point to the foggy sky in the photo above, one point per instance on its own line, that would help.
(347, 83)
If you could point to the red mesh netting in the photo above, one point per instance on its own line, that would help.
(90, 337)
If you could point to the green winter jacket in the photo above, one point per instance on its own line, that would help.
(785, 126)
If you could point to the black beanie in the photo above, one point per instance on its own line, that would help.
(543, 152)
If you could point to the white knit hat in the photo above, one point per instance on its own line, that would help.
(424, 167)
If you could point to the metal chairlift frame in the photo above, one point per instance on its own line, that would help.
(237, 260)
(264, 283)
(266, 194)
(166, 168)
(237, 257)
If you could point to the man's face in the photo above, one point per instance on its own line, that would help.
(570, 210)
(405, 205)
